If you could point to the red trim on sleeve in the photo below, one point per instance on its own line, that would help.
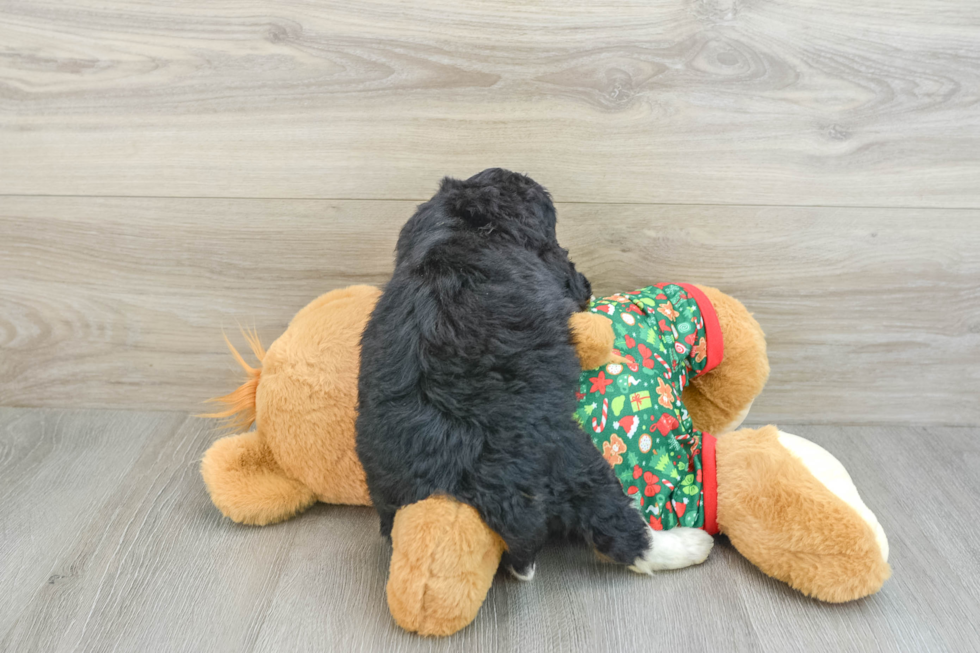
(712, 327)
(709, 484)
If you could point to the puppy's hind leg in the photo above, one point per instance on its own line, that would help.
(519, 521)
(519, 569)
(609, 519)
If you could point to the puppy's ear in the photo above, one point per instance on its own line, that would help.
(477, 205)
(579, 289)
(576, 285)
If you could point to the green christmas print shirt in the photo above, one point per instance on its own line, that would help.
(633, 410)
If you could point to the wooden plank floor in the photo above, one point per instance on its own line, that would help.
(109, 542)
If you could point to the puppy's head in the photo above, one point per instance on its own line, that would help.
(492, 208)
(500, 206)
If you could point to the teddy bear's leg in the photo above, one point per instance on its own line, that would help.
(443, 561)
(719, 400)
(246, 483)
(790, 507)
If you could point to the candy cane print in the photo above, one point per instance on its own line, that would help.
(600, 427)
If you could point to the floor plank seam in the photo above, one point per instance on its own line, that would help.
(249, 198)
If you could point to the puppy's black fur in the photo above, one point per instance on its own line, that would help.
(468, 375)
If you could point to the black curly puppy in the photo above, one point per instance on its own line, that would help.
(468, 376)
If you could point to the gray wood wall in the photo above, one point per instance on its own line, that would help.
(169, 170)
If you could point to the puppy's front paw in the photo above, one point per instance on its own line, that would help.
(674, 549)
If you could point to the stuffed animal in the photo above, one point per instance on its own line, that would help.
(665, 367)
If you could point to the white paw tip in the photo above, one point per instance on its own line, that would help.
(526, 576)
(674, 549)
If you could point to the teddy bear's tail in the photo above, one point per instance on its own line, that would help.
(239, 412)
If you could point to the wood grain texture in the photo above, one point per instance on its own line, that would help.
(872, 315)
(822, 102)
(57, 470)
(147, 563)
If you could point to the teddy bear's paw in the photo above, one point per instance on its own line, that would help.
(674, 549)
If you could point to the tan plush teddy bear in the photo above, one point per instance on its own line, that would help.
(665, 367)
